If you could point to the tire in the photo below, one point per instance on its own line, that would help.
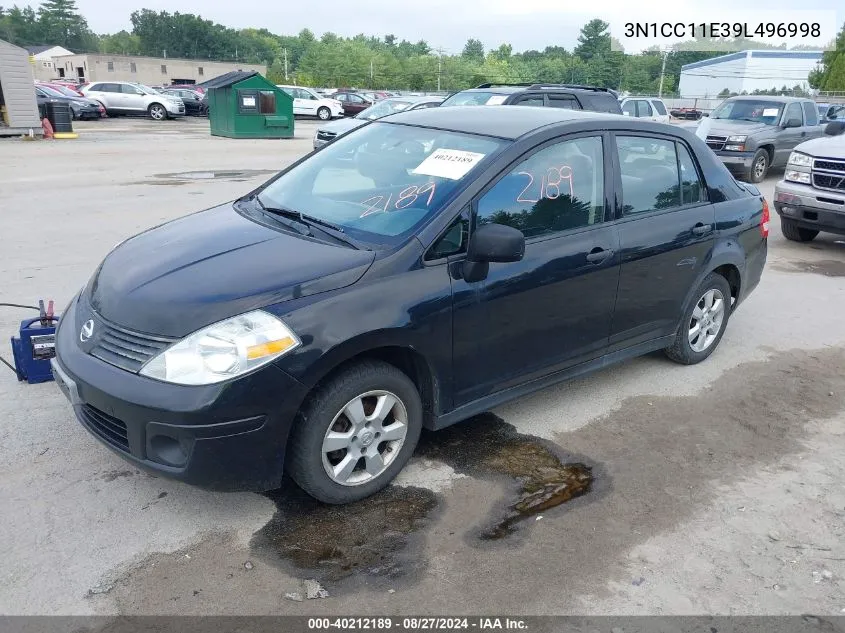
(688, 349)
(323, 113)
(759, 166)
(372, 384)
(157, 112)
(792, 231)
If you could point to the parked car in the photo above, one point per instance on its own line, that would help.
(466, 257)
(65, 89)
(753, 134)
(196, 104)
(650, 108)
(353, 103)
(80, 107)
(831, 112)
(811, 196)
(306, 102)
(563, 96)
(327, 133)
(124, 97)
(193, 87)
(686, 114)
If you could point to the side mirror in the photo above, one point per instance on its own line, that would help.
(834, 128)
(492, 243)
(793, 122)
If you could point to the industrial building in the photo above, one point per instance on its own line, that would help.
(747, 71)
(42, 59)
(152, 71)
(18, 108)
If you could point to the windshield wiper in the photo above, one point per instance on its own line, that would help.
(282, 215)
(305, 220)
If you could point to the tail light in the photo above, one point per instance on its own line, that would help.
(764, 221)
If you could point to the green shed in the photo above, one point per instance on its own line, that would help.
(243, 104)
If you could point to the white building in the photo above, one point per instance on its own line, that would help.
(42, 59)
(747, 71)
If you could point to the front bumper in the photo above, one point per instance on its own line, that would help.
(175, 109)
(811, 208)
(229, 436)
(736, 162)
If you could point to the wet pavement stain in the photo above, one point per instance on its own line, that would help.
(487, 446)
(826, 267)
(333, 542)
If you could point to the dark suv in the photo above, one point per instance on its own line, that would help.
(564, 96)
(462, 258)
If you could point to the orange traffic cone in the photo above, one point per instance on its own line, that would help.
(47, 127)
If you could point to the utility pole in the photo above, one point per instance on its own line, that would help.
(439, 65)
(286, 64)
(371, 73)
(164, 53)
(662, 72)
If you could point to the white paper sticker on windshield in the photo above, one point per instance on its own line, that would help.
(770, 111)
(496, 100)
(448, 163)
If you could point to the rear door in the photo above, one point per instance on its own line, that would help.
(666, 233)
(552, 309)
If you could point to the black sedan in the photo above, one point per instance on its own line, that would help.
(80, 107)
(196, 104)
(465, 257)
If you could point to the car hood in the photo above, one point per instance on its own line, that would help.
(728, 127)
(341, 126)
(183, 275)
(827, 146)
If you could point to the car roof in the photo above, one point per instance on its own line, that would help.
(509, 122)
(779, 98)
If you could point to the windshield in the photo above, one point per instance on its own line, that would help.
(67, 92)
(382, 108)
(51, 91)
(382, 180)
(759, 111)
(474, 98)
(146, 89)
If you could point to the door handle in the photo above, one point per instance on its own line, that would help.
(598, 255)
(701, 229)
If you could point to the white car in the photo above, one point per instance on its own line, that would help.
(125, 97)
(306, 102)
(649, 108)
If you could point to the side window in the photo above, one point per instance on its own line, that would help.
(692, 190)
(649, 169)
(452, 242)
(811, 115)
(341, 97)
(793, 111)
(630, 108)
(535, 101)
(565, 102)
(127, 89)
(643, 109)
(557, 188)
(355, 99)
(836, 113)
(658, 105)
(96, 88)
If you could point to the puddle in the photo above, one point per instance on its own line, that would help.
(487, 446)
(332, 542)
(826, 267)
(239, 175)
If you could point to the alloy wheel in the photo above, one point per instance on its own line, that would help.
(157, 112)
(706, 321)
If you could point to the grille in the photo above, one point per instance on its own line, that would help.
(325, 136)
(125, 349)
(716, 143)
(829, 165)
(829, 181)
(107, 428)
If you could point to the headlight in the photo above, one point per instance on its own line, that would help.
(793, 175)
(736, 139)
(223, 350)
(801, 160)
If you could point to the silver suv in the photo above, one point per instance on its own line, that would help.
(124, 97)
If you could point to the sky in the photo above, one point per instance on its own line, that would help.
(525, 24)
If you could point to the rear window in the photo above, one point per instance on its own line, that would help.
(474, 98)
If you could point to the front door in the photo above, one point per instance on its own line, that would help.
(553, 308)
(666, 233)
(132, 98)
(307, 102)
(789, 137)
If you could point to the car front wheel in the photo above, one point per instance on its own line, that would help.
(324, 114)
(157, 112)
(355, 433)
(703, 323)
(759, 166)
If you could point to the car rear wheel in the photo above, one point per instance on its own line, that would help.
(703, 323)
(324, 114)
(157, 112)
(792, 231)
(355, 433)
(759, 166)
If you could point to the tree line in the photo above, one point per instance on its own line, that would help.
(374, 62)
